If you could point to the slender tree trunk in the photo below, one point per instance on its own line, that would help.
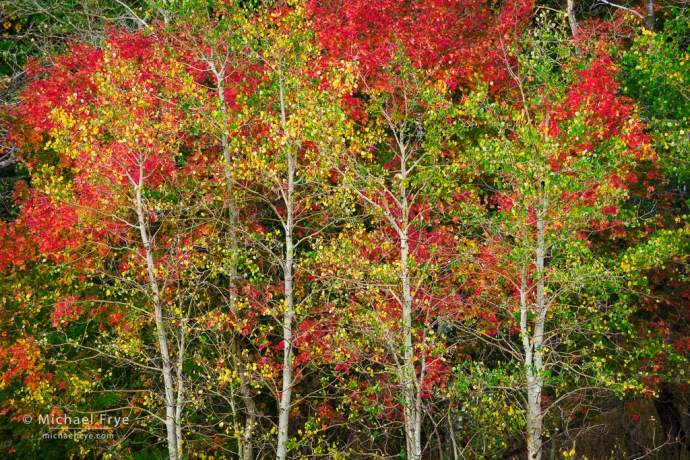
(180, 385)
(452, 427)
(571, 17)
(533, 348)
(533, 412)
(533, 416)
(649, 16)
(412, 401)
(246, 443)
(170, 421)
(286, 391)
(413, 416)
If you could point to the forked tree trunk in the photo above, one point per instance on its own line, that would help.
(408, 376)
(246, 441)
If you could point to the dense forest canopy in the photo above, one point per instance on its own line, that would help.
(301, 229)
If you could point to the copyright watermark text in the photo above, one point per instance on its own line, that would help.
(77, 422)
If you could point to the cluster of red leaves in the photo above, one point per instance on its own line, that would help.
(68, 84)
(22, 360)
(594, 95)
(453, 39)
(44, 230)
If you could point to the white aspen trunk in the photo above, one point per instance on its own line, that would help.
(286, 391)
(649, 17)
(533, 349)
(408, 374)
(533, 417)
(571, 17)
(413, 417)
(170, 421)
(246, 443)
(418, 424)
(180, 386)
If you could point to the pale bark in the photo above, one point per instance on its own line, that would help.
(413, 415)
(530, 420)
(246, 443)
(408, 374)
(621, 7)
(572, 21)
(180, 385)
(533, 342)
(286, 391)
(649, 17)
(171, 423)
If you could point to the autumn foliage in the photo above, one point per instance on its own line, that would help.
(326, 229)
